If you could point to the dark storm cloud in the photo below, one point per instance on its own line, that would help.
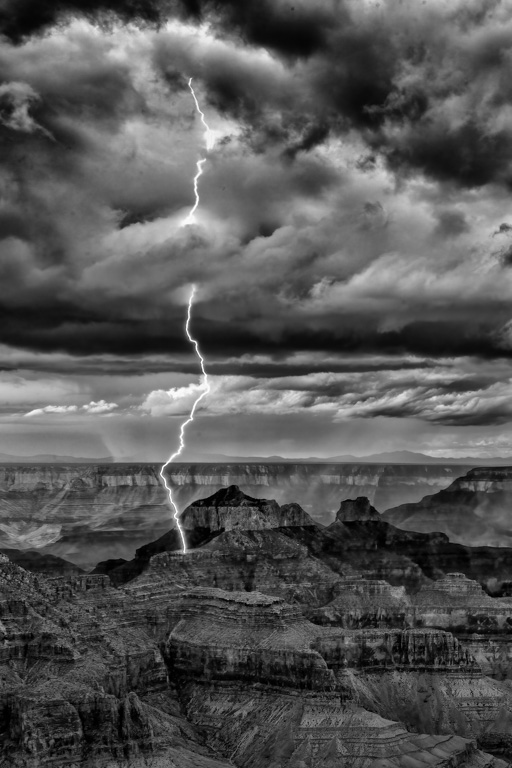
(392, 72)
(92, 328)
(436, 338)
(389, 71)
(451, 395)
(339, 208)
(83, 334)
(467, 155)
(21, 18)
(292, 28)
(426, 86)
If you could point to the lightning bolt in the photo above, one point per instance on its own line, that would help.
(190, 218)
(188, 421)
(209, 141)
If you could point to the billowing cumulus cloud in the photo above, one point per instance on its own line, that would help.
(100, 406)
(352, 247)
(452, 395)
(93, 408)
(57, 409)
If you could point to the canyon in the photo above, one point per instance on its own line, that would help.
(86, 513)
(274, 641)
(475, 509)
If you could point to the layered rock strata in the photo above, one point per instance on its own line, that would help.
(293, 698)
(261, 684)
(360, 603)
(482, 623)
(382, 551)
(230, 509)
(264, 561)
(371, 546)
(82, 513)
(318, 486)
(473, 510)
(81, 689)
(86, 513)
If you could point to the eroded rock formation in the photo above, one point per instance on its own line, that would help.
(294, 701)
(79, 687)
(82, 513)
(86, 513)
(356, 510)
(272, 643)
(230, 509)
(474, 510)
(319, 487)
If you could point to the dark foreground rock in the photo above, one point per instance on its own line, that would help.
(81, 689)
(368, 545)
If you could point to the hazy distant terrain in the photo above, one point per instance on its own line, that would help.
(86, 512)
(389, 457)
(475, 509)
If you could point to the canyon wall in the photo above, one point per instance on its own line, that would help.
(318, 488)
(87, 513)
(476, 509)
(278, 644)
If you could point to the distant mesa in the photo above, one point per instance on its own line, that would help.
(53, 458)
(356, 511)
(474, 510)
(386, 457)
(231, 508)
(195, 458)
(38, 562)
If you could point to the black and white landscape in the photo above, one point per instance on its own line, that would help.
(255, 384)
(273, 641)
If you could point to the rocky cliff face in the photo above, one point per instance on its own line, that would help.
(274, 655)
(264, 561)
(381, 551)
(474, 510)
(370, 546)
(294, 646)
(230, 509)
(318, 487)
(87, 513)
(82, 513)
(360, 603)
(357, 510)
(364, 624)
(80, 688)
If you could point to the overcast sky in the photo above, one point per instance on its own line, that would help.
(352, 249)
